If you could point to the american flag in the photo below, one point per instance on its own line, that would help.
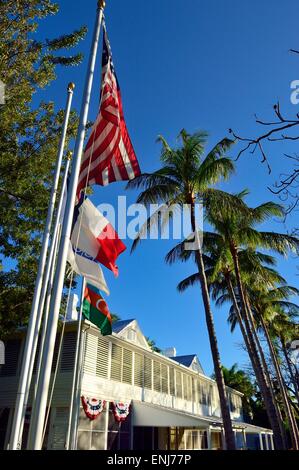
(109, 155)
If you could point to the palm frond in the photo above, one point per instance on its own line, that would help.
(188, 282)
(280, 242)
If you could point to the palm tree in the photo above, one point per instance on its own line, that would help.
(284, 328)
(239, 230)
(238, 379)
(221, 281)
(266, 304)
(186, 177)
(236, 229)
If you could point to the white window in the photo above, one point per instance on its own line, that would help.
(131, 335)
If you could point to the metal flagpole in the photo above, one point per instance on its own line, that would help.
(76, 367)
(44, 302)
(15, 443)
(45, 374)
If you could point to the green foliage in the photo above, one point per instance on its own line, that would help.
(29, 139)
(152, 345)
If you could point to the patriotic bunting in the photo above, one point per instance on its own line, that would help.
(121, 411)
(92, 407)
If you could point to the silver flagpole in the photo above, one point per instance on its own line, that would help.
(76, 367)
(45, 374)
(15, 443)
(44, 302)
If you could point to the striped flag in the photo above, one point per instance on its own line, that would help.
(109, 155)
(95, 309)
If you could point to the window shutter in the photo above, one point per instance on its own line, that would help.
(60, 429)
(102, 358)
(138, 370)
(171, 381)
(147, 373)
(116, 362)
(179, 389)
(127, 366)
(68, 351)
(157, 376)
(12, 351)
(164, 376)
(90, 354)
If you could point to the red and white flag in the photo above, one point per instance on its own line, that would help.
(109, 155)
(93, 237)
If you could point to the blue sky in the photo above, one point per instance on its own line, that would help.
(197, 64)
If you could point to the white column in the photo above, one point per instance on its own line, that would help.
(267, 441)
(209, 439)
(244, 438)
(261, 441)
(272, 442)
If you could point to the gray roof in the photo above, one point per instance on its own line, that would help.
(118, 326)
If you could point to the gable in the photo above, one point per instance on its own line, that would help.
(133, 333)
(196, 365)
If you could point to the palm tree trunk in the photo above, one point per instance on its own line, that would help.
(269, 404)
(289, 365)
(256, 364)
(224, 406)
(285, 399)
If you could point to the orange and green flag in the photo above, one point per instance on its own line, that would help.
(95, 309)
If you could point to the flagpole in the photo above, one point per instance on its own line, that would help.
(76, 367)
(44, 303)
(15, 443)
(43, 386)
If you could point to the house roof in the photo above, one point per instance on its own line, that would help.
(184, 360)
(120, 325)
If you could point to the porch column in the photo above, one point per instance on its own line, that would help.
(208, 430)
(261, 441)
(272, 442)
(244, 438)
(267, 441)
(132, 431)
(223, 439)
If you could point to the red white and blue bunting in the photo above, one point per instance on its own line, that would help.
(121, 411)
(92, 407)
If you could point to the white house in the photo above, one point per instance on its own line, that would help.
(174, 406)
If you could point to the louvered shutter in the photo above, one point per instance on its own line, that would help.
(148, 373)
(127, 366)
(116, 363)
(102, 358)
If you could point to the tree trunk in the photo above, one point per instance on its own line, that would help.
(264, 387)
(269, 404)
(224, 406)
(266, 371)
(289, 365)
(285, 399)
